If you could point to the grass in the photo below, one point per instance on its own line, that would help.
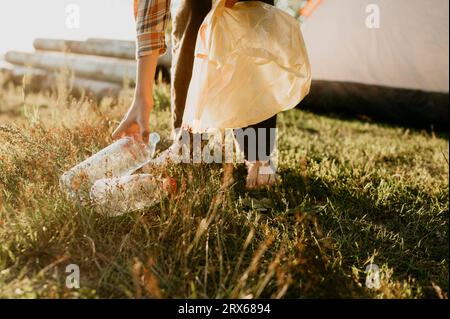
(353, 194)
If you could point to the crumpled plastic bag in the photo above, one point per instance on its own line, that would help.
(250, 64)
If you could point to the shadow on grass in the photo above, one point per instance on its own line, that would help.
(407, 235)
(316, 276)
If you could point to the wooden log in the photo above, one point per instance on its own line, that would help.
(31, 80)
(96, 68)
(5, 75)
(165, 60)
(108, 41)
(5, 71)
(115, 49)
(36, 80)
(5, 68)
(98, 89)
(4, 64)
(99, 47)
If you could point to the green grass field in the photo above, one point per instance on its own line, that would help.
(353, 193)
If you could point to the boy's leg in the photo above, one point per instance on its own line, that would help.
(186, 21)
(257, 142)
(250, 148)
(258, 147)
(257, 153)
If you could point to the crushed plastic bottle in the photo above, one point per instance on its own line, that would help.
(116, 196)
(122, 158)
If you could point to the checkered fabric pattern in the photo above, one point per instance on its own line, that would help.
(152, 17)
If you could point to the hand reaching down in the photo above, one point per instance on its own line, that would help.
(136, 121)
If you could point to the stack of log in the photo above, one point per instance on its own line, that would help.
(99, 67)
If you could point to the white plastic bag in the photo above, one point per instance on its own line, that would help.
(250, 64)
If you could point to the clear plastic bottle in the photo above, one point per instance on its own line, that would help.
(116, 196)
(122, 158)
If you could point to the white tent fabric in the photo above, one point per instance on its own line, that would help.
(409, 50)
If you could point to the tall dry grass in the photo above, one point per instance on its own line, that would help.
(352, 194)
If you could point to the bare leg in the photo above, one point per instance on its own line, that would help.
(258, 152)
(256, 174)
